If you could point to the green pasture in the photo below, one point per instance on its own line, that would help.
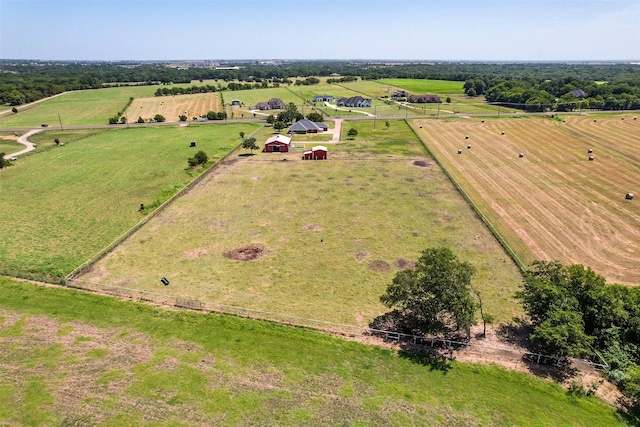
(84, 107)
(323, 225)
(421, 86)
(45, 140)
(10, 147)
(370, 88)
(72, 358)
(63, 205)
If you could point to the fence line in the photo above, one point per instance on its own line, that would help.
(95, 258)
(516, 259)
(319, 325)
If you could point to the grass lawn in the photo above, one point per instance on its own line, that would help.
(333, 232)
(45, 140)
(421, 86)
(8, 146)
(71, 358)
(62, 206)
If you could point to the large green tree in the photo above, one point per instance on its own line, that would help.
(250, 144)
(436, 295)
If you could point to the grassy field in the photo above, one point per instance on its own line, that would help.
(86, 107)
(61, 206)
(45, 140)
(333, 233)
(421, 86)
(70, 358)
(553, 203)
(8, 144)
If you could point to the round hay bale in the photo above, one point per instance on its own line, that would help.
(502, 133)
(468, 147)
(635, 118)
(629, 196)
(459, 151)
(594, 120)
(521, 155)
(591, 158)
(466, 137)
(621, 118)
(590, 150)
(481, 121)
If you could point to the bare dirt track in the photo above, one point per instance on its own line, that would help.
(553, 202)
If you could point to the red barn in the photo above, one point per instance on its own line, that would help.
(277, 144)
(319, 152)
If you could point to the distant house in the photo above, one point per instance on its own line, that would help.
(277, 144)
(334, 75)
(263, 106)
(425, 99)
(399, 94)
(319, 152)
(354, 101)
(276, 104)
(235, 102)
(307, 126)
(322, 98)
(579, 93)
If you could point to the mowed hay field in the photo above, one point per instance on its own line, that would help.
(172, 107)
(553, 203)
(329, 235)
(63, 205)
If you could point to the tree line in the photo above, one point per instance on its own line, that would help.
(573, 312)
(608, 85)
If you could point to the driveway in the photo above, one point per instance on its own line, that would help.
(24, 141)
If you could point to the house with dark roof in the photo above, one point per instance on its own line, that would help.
(277, 144)
(579, 93)
(307, 126)
(354, 101)
(323, 98)
(263, 106)
(235, 102)
(425, 99)
(276, 104)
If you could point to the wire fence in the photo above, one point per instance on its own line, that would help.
(426, 342)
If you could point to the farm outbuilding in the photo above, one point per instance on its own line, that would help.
(277, 144)
(319, 152)
(235, 102)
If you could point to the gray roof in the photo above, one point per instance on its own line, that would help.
(306, 124)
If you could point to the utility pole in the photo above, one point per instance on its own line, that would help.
(60, 120)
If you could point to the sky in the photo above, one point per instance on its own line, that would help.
(439, 30)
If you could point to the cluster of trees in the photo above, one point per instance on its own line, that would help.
(575, 313)
(212, 115)
(309, 81)
(345, 79)
(200, 158)
(288, 116)
(170, 91)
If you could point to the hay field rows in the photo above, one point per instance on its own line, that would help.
(553, 203)
(331, 233)
(171, 107)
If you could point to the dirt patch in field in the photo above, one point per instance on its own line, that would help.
(378, 265)
(312, 227)
(256, 178)
(421, 163)
(196, 253)
(246, 253)
(10, 137)
(361, 255)
(403, 264)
